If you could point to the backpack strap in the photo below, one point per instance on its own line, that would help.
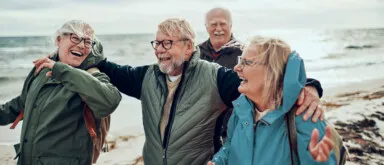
(292, 133)
(90, 123)
(19, 117)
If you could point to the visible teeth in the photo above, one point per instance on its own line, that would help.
(76, 53)
(164, 58)
(218, 33)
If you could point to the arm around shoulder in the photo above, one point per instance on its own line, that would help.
(126, 78)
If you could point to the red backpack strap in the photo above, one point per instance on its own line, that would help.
(20, 117)
(90, 123)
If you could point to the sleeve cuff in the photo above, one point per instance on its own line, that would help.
(315, 83)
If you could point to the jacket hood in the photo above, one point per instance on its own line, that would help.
(294, 82)
(95, 56)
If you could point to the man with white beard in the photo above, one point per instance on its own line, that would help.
(222, 48)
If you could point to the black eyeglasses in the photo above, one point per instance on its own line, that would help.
(167, 44)
(88, 43)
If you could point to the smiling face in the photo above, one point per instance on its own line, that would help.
(71, 53)
(219, 27)
(251, 73)
(261, 67)
(171, 61)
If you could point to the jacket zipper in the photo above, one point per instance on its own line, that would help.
(167, 131)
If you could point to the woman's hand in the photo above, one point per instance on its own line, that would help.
(210, 163)
(322, 150)
(42, 63)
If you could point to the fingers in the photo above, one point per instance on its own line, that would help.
(321, 157)
(322, 150)
(309, 112)
(322, 115)
(313, 147)
(210, 163)
(49, 74)
(318, 113)
(325, 150)
(327, 139)
(42, 66)
(40, 61)
(304, 105)
(310, 101)
(300, 100)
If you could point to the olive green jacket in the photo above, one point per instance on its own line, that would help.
(53, 131)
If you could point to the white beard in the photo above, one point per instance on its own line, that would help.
(169, 68)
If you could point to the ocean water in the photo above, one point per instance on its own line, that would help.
(334, 56)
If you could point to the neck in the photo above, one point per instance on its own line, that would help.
(258, 102)
(176, 72)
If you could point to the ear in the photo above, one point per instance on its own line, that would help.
(58, 39)
(190, 49)
(207, 27)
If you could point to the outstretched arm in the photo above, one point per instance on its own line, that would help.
(126, 78)
(10, 110)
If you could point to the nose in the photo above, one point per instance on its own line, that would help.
(219, 28)
(238, 68)
(160, 49)
(81, 44)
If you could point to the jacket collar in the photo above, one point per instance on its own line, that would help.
(232, 40)
(294, 81)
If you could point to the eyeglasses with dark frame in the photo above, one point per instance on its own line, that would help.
(167, 44)
(88, 43)
(244, 62)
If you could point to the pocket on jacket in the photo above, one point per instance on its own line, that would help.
(57, 161)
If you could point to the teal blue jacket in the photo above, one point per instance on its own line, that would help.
(267, 142)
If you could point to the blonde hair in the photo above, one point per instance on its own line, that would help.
(178, 27)
(273, 53)
(80, 28)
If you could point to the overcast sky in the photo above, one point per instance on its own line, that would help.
(44, 17)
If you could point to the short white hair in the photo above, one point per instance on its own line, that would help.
(216, 9)
(80, 28)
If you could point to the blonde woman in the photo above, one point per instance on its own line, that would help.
(272, 79)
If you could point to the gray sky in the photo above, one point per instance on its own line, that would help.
(43, 17)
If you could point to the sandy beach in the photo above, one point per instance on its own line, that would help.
(356, 110)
